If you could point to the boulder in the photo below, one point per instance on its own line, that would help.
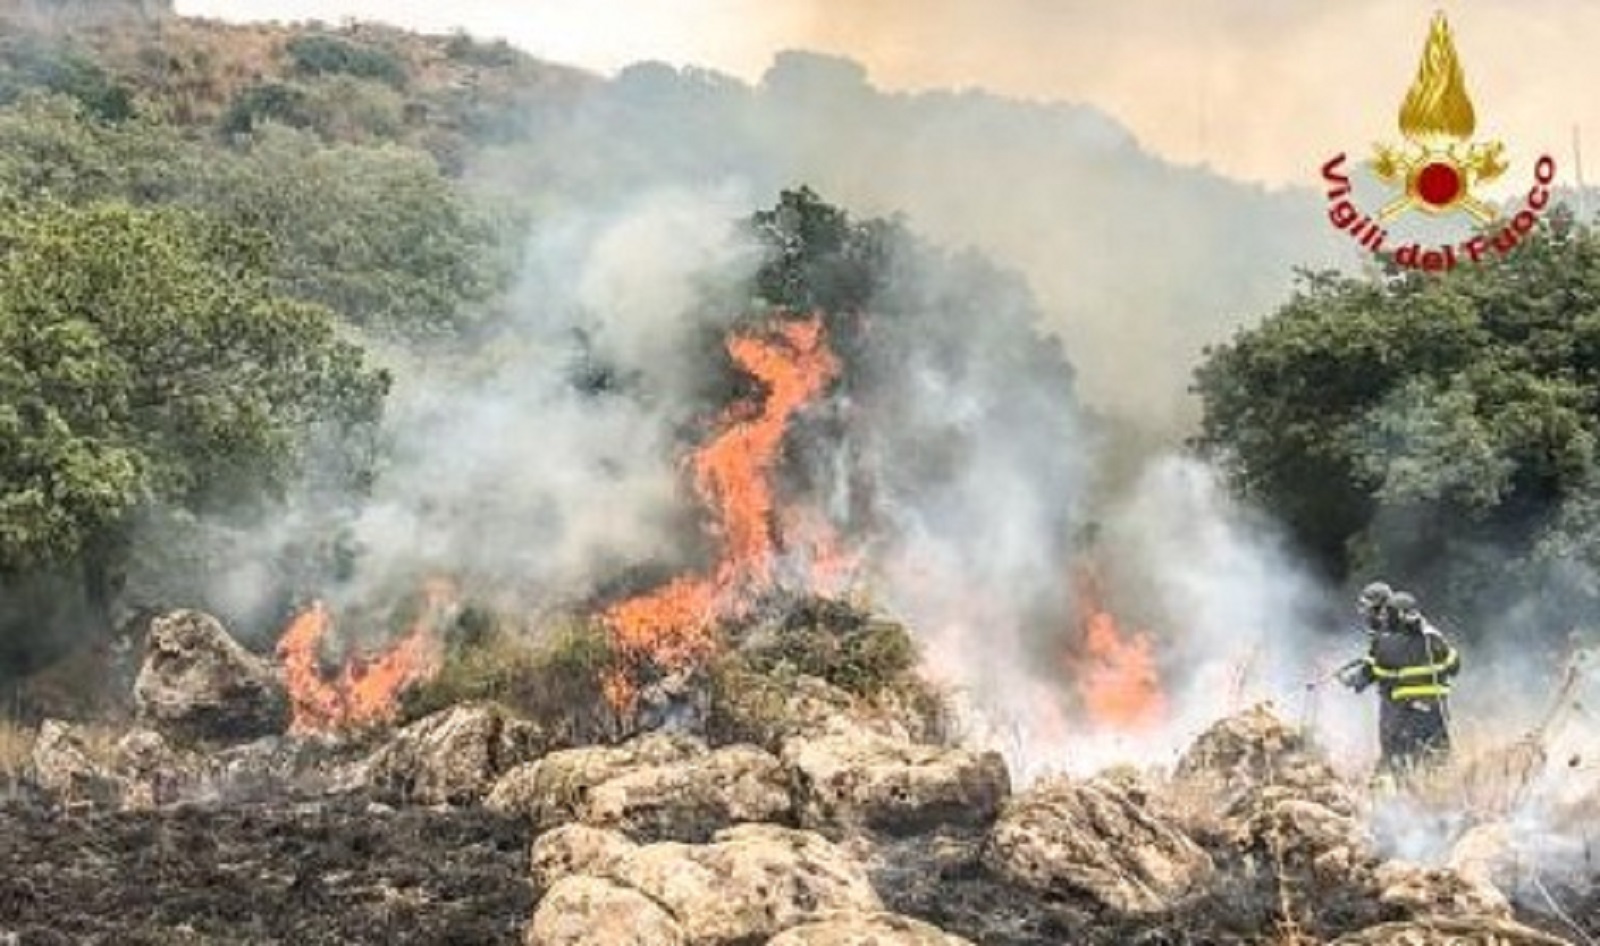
(845, 782)
(453, 756)
(866, 929)
(575, 849)
(1306, 838)
(1241, 756)
(553, 790)
(768, 710)
(197, 682)
(589, 911)
(1429, 893)
(691, 800)
(1095, 841)
(154, 773)
(1486, 931)
(65, 767)
(752, 882)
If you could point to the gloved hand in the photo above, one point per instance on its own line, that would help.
(1354, 679)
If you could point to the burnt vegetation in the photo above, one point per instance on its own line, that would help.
(218, 243)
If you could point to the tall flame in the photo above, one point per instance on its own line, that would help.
(672, 625)
(367, 689)
(1115, 672)
(1437, 106)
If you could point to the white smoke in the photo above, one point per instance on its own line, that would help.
(1234, 619)
(513, 467)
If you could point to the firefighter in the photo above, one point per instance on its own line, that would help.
(1413, 665)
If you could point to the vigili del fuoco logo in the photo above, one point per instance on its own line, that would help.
(1434, 173)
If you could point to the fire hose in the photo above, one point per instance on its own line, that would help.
(1308, 715)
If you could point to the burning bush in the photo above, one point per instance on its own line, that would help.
(819, 657)
(837, 642)
(557, 683)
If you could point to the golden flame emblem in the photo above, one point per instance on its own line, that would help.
(1440, 166)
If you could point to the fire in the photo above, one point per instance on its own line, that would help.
(672, 625)
(367, 688)
(733, 472)
(1115, 672)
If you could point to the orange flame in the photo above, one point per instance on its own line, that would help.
(367, 689)
(672, 625)
(1116, 673)
(732, 473)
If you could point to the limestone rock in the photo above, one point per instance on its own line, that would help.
(1303, 835)
(154, 773)
(1092, 840)
(866, 929)
(65, 767)
(1244, 754)
(752, 882)
(589, 911)
(197, 682)
(863, 779)
(1486, 931)
(769, 711)
(575, 849)
(1438, 893)
(690, 800)
(453, 756)
(559, 788)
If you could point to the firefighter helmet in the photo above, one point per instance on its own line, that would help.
(1375, 595)
(1405, 607)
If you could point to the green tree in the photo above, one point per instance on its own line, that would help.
(146, 362)
(377, 233)
(1440, 429)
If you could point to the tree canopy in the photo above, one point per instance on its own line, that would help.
(376, 232)
(1440, 430)
(145, 361)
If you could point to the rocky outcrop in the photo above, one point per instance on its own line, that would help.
(153, 772)
(1095, 841)
(575, 849)
(866, 929)
(1255, 759)
(769, 711)
(692, 799)
(64, 766)
(551, 791)
(753, 881)
(453, 756)
(1476, 932)
(589, 911)
(197, 682)
(658, 787)
(1423, 893)
(749, 884)
(858, 780)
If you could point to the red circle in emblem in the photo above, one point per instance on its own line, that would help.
(1438, 183)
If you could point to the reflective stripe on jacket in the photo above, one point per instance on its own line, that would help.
(1409, 665)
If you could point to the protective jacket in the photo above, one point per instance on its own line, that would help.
(1410, 663)
(1413, 667)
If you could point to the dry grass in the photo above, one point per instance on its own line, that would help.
(16, 743)
(1486, 781)
(99, 741)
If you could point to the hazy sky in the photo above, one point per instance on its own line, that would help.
(1261, 89)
